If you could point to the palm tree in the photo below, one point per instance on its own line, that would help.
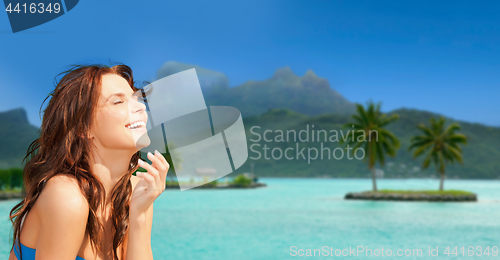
(368, 132)
(440, 144)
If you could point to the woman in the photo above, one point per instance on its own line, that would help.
(82, 201)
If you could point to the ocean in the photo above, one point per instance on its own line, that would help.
(308, 218)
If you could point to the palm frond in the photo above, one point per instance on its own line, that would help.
(458, 138)
(427, 161)
(380, 154)
(457, 155)
(388, 120)
(421, 148)
(427, 131)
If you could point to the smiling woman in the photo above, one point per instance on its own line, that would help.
(119, 113)
(82, 201)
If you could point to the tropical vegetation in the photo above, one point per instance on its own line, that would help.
(241, 181)
(439, 144)
(368, 132)
(11, 179)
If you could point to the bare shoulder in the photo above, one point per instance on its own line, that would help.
(63, 212)
(61, 195)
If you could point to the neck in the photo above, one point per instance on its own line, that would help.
(109, 166)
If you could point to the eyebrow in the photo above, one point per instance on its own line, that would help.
(115, 95)
(119, 94)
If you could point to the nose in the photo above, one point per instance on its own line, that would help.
(137, 106)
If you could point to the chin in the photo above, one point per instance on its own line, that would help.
(142, 142)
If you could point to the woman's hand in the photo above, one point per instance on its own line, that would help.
(151, 185)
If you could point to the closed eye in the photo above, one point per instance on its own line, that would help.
(118, 102)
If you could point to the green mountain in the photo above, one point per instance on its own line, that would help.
(16, 134)
(291, 103)
(480, 155)
(309, 94)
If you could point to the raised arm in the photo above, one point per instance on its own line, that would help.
(63, 211)
(148, 188)
(139, 237)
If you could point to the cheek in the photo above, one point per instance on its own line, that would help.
(110, 129)
(112, 118)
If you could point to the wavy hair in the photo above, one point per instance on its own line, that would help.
(64, 147)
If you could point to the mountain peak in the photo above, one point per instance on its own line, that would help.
(310, 73)
(285, 72)
(17, 116)
(311, 80)
(17, 134)
(209, 79)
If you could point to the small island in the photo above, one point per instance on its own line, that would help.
(414, 195)
(12, 194)
(11, 182)
(242, 181)
(10, 190)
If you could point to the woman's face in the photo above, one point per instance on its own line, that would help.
(120, 119)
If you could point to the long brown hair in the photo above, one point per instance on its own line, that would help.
(65, 148)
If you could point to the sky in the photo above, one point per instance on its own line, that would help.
(439, 56)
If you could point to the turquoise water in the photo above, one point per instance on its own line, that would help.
(265, 223)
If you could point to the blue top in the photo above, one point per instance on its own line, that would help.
(29, 253)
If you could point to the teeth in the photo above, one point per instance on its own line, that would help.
(136, 125)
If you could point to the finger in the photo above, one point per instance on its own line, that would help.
(152, 171)
(146, 166)
(167, 165)
(162, 158)
(157, 163)
(152, 184)
(150, 180)
(146, 176)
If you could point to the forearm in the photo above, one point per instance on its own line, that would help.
(139, 242)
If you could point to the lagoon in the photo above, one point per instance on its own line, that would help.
(276, 221)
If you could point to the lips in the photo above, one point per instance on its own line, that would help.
(136, 125)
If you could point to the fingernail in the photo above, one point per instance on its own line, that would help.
(141, 162)
(138, 174)
(150, 154)
(156, 152)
